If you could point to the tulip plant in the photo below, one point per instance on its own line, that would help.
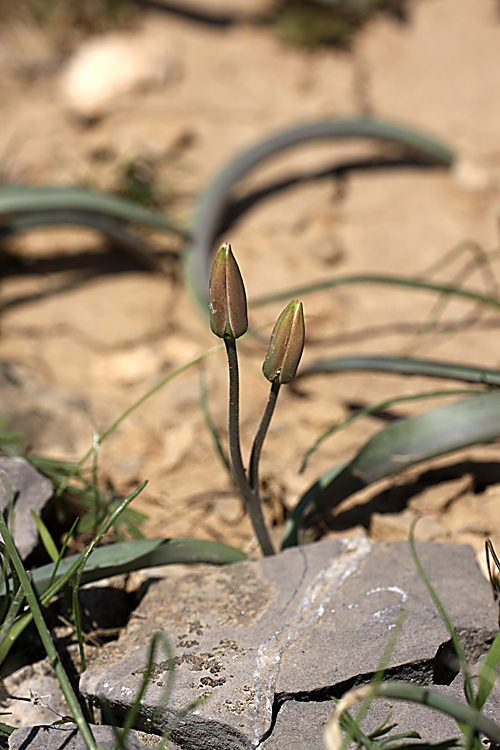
(229, 321)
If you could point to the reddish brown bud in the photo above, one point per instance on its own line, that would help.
(228, 301)
(286, 344)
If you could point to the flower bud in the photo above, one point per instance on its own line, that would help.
(228, 301)
(286, 344)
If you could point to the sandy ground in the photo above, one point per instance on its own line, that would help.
(91, 347)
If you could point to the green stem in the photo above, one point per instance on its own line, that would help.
(46, 639)
(261, 434)
(251, 498)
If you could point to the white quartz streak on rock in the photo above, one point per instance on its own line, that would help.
(317, 596)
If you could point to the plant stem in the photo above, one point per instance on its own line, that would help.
(250, 496)
(253, 471)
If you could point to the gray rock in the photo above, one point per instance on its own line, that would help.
(300, 725)
(29, 491)
(299, 627)
(50, 418)
(67, 737)
(32, 695)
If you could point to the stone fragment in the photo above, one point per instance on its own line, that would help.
(302, 626)
(29, 491)
(51, 419)
(37, 681)
(300, 725)
(105, 68)
(437, 497)
(68, 738)
(471, 176)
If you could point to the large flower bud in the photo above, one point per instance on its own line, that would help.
(228, 301)
(286, 344)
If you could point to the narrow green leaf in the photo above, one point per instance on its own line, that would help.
(219, 450)
(213, 203)
(46, 537)
(405, 366)
(46, 639)
(61, 580)
(12, 612)
(381, 279)
(377, 408)
(397, 447)
(22, 199)
(469, 692)
(488, 673)
(124, 557)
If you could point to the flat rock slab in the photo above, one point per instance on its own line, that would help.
(67, 737)
(305, 625)
(300, 725)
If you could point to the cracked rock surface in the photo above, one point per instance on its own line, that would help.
(270, 641)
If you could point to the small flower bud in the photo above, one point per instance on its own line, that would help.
(228, 301)
(286, 344)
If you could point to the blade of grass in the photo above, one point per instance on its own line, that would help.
(219, 450)
(55, 567)
(488, 673)
(384, 660)
(158, 638)
(479, 260)
(464, 667)
(45, 536)
(22, 622)
(9, 618)
(46, 639)
(491, 557)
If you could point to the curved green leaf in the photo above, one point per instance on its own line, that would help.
(124, 557)
(23, 199)
(397, 447)
(382, 279)
(214, 201)
(405, 366)
(373, 408)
